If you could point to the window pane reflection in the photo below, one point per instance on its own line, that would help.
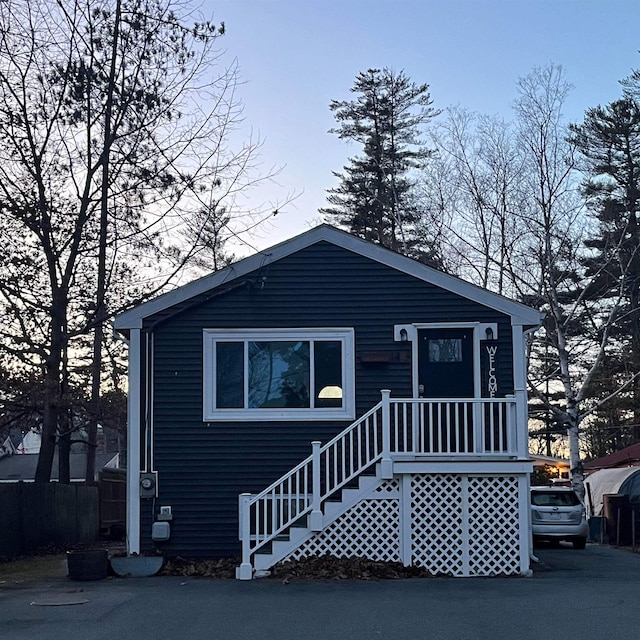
(328, 374)
(229, 375)
(279, 374)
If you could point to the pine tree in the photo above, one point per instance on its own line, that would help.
(609, 140)
(375, 198)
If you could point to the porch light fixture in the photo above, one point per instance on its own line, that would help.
(330, 391)
(404, 336)
(489, 333)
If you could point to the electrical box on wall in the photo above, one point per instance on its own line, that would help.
(160, 531)
(149, 484)
(165, 514)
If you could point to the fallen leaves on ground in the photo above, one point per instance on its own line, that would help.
(224, 568)
(328, 567)
(324, 567)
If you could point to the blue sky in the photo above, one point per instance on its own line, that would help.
(295, 56)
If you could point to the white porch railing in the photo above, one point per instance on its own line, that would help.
(479, 428)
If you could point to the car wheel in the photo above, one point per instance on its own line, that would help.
(579, 543)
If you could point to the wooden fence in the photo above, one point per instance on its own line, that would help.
(36, 516)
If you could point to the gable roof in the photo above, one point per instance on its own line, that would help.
(520, 314)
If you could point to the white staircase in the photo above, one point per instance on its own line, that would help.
(297, 535)
(357, 465)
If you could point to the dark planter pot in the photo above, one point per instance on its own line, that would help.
(88, 565)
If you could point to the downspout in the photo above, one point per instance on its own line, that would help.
(133, 443)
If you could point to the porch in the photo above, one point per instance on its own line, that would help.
(457, 453)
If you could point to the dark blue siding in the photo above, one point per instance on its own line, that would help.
(203, 467)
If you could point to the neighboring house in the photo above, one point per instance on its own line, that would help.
(627, 457)
(22, 467)
(410, 382)
(28, 442)
(560, 466)
(7, 448)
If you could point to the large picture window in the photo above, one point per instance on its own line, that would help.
(283, 374)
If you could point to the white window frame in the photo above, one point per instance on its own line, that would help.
(343, 335)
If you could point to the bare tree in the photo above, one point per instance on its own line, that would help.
(114, 125)
(479, 166)
(519, 226)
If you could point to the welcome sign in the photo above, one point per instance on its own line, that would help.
(489, 368)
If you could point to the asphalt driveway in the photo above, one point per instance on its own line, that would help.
(590, 594)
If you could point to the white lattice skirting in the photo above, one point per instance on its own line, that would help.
(451, 524)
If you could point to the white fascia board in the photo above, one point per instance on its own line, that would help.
(519, 313)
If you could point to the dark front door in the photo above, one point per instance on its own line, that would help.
(445, 363)
(445, 370)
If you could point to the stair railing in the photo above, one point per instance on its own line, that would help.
(302, 490)
(392, 428)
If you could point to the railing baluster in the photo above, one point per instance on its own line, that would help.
(432, 445)
(492, 431)
(376, 449)
(447, 420)
(464, 443)
(367, 439)
(405, 428)
(255, 523)
(327, 467)
(305, 484)
(351, 454)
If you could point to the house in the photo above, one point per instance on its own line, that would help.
(7, 447)
(559, 467)
(627, 457)
(328, 395)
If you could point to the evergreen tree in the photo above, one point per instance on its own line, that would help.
(375, 198)
(609, 141)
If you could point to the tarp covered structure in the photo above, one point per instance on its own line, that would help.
(611, 481)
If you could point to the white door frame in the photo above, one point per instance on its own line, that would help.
(409, 333)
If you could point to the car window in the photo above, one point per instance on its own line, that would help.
(554, 499)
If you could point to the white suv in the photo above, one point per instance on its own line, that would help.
(558, 514)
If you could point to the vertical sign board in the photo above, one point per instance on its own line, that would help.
(489, 368)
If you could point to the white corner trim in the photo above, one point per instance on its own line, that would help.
(133, 444)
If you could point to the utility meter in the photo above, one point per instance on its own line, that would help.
(149, 485)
